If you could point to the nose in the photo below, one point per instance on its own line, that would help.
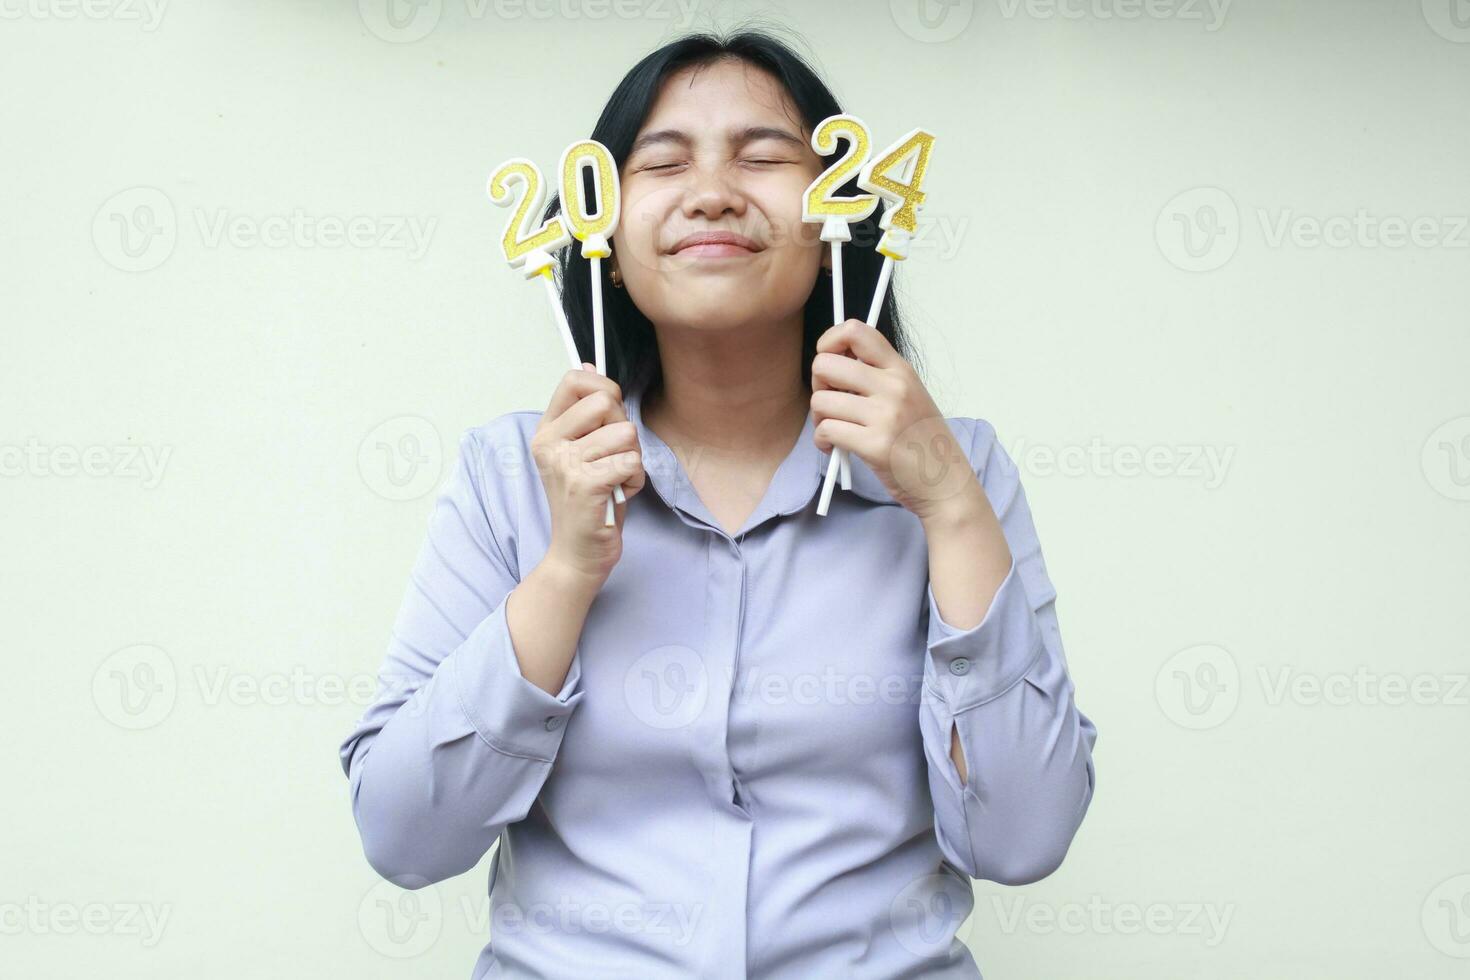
(712, 195)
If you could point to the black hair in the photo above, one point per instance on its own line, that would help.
(632, 347)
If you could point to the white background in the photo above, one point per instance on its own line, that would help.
(1121, 275)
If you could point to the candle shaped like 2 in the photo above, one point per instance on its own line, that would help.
(837, 212)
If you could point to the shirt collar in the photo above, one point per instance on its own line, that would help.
(793, 487)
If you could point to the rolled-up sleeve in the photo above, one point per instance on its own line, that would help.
(1003, 686)
(457, 743)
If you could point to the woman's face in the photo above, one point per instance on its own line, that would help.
(723, 153)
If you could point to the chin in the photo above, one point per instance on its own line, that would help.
(712, 302)
(711, 311)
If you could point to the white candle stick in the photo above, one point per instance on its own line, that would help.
(839, 455)
(592, 228)
(839, 315)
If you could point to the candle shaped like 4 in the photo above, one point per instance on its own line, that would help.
(592, 227)
(837, 212)
(896, 175)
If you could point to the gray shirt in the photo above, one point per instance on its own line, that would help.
(747, 771)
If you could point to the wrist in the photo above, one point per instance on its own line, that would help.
(568, 580)
(967, 508)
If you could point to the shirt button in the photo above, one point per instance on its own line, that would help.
(553, 722)
(959, 665)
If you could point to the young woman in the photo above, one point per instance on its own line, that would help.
(727, 737)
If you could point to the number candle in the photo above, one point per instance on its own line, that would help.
(896, 175)
(530, 250)
(837, 212)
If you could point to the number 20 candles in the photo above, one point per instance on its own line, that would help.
(530, 251)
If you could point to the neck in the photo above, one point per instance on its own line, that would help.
(738, 391)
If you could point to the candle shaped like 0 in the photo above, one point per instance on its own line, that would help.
(592, 228)
(837, 212)
(528, 248)
(896, 175)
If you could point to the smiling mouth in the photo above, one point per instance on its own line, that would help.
(716, 245)
(715, 250)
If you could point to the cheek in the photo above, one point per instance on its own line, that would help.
(800, 243)
(637, 238)
(798, 249)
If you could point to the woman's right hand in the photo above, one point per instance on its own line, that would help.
(583, 447)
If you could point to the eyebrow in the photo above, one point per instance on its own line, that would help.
(737, 137)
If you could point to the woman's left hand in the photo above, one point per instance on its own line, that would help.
(873, 404)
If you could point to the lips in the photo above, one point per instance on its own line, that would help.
(715, 243)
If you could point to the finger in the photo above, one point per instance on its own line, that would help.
(576, 384)
(615, 437)
(636, 482)
(862, 341)
(831, 370)
(591, 411)
(599, 476)
(850, 436)
(830, 404)
(620, 511)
